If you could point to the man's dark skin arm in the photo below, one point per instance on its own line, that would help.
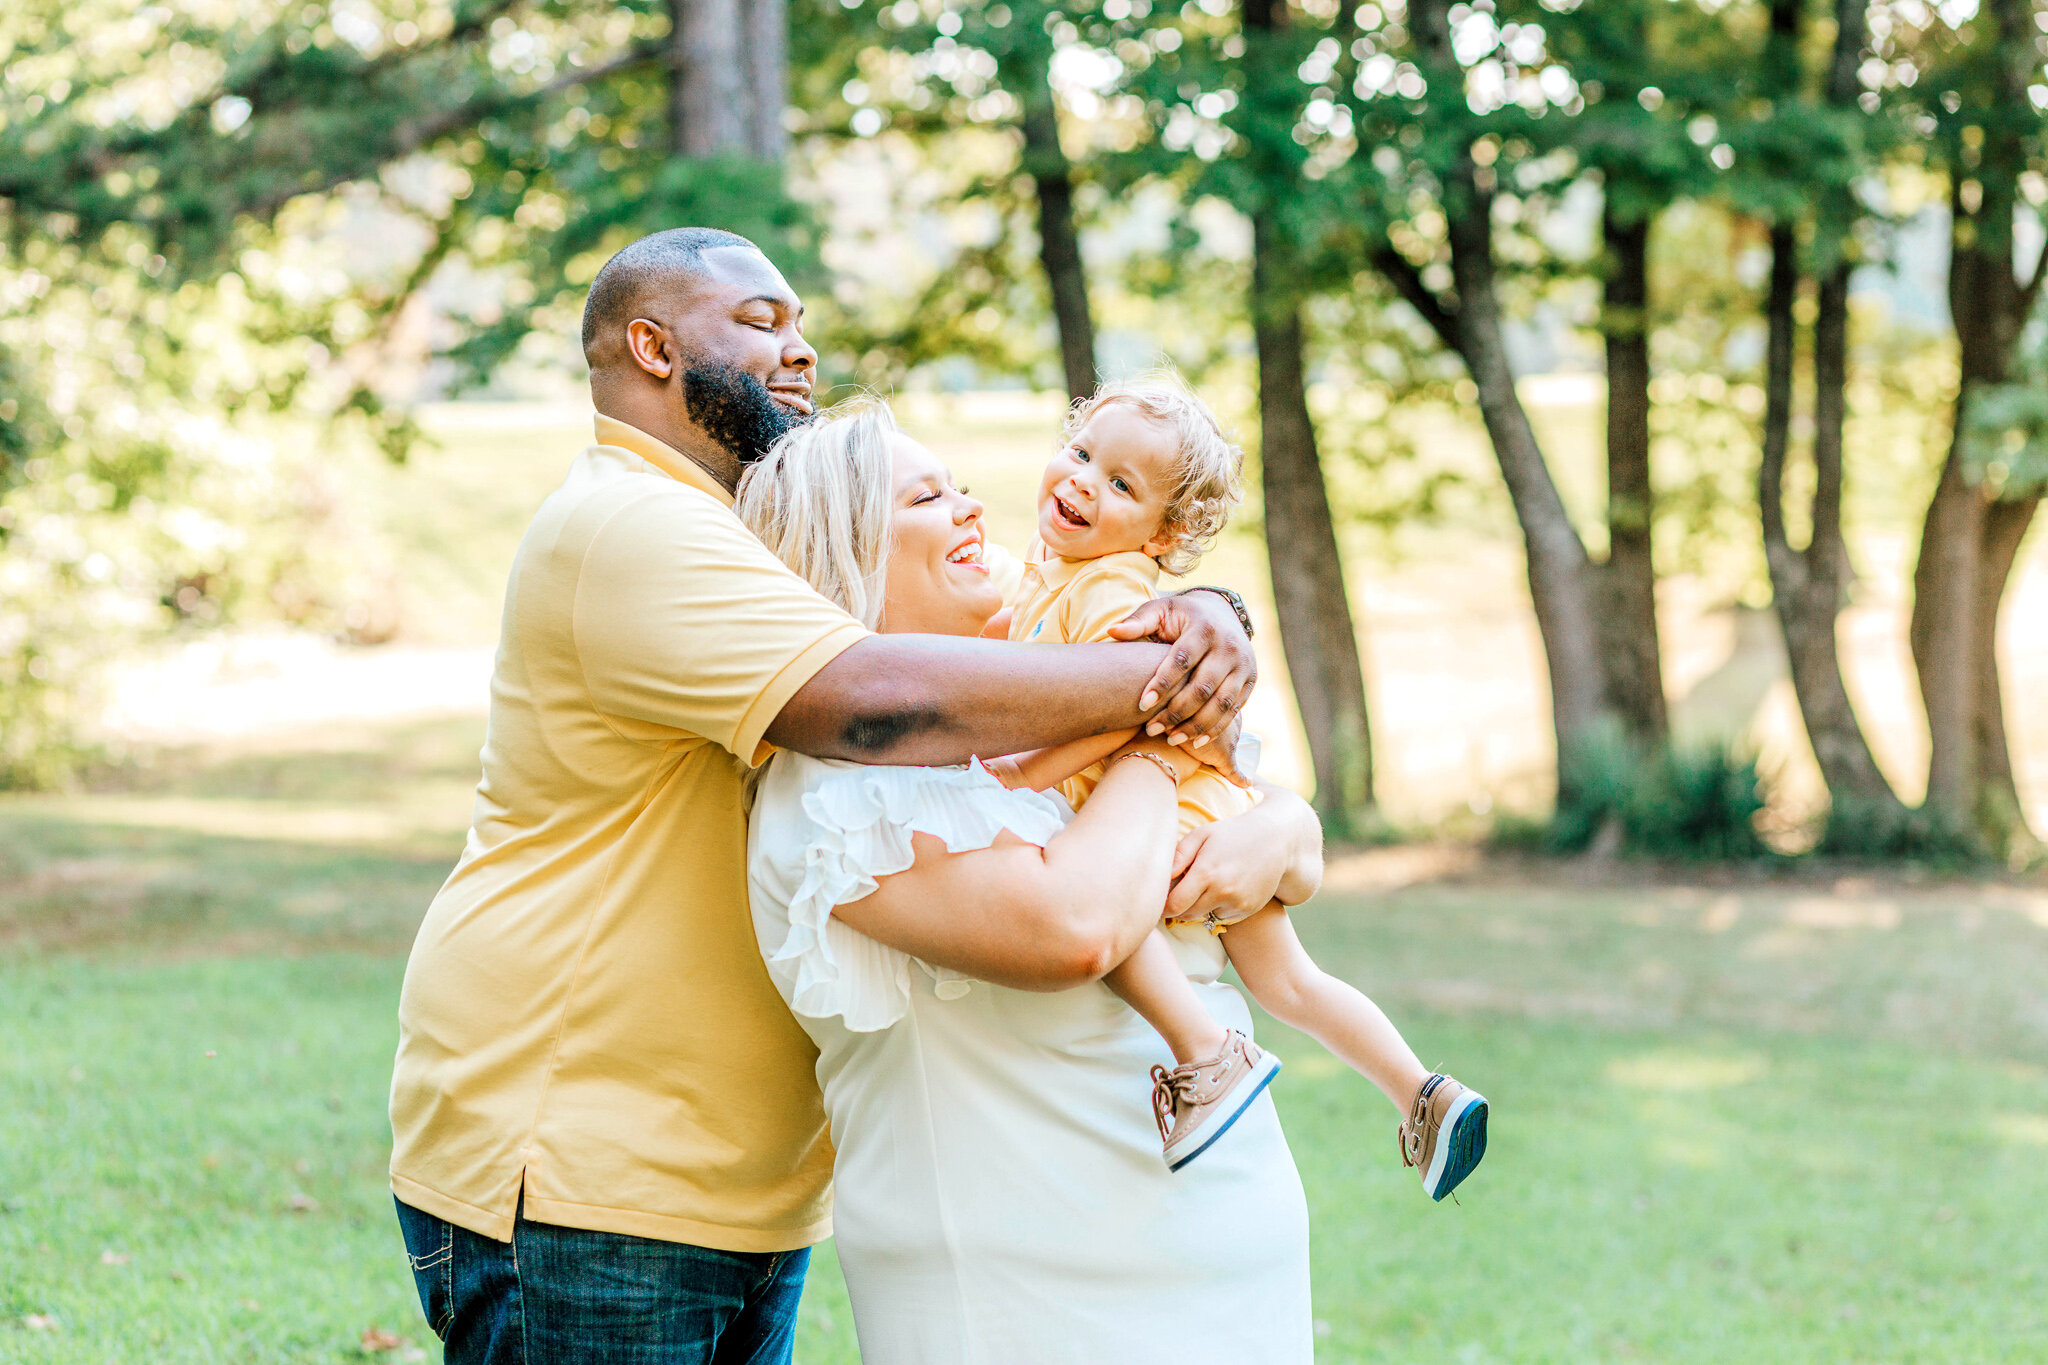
(940, 699)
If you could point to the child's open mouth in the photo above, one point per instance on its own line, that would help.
(1065, 517)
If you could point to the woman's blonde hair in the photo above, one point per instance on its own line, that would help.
(820, 499)
(1207, 477)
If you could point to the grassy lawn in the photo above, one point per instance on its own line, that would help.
(1735, 1121)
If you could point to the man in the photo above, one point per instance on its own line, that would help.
(609, 1144)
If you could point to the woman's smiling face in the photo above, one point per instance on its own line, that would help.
(937, 584)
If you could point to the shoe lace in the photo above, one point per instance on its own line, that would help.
(1409, 1136)
(1169, 1088)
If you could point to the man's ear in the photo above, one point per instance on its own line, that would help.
(649, 346)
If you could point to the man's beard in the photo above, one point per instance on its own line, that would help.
(736, 410)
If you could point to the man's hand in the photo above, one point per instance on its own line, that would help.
(1207, 675)
(1237, 867)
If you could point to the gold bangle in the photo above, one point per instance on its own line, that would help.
(1172, 773)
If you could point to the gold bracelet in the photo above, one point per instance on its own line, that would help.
(1172, 773)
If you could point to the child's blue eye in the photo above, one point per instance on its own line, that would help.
(1080, 455)
(1119, 485)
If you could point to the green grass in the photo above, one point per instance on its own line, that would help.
(1746, 1121)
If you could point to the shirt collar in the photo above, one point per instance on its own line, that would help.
(663, 456)
(1055, 572)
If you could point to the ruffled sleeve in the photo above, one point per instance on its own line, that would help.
(859, 822)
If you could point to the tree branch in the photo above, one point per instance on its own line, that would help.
(1400, 272)
(410, 137)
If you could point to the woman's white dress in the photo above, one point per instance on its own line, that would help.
(1000, 1198)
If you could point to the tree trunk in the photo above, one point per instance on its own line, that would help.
(708, 100)
(1808, 586)
(1317, 634)
(1946, 611)
(1560, 578)
(767, 62)
(1029, 76)
(1999, 805)
(1969, 540)
(1628, 619)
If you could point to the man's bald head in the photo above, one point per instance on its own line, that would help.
(655, 264)
(694, 337)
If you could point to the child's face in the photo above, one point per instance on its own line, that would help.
(1106, 491)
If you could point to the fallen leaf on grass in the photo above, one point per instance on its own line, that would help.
(377, 1339)
(113, 1258)
(304, 1203)
(39, 1322)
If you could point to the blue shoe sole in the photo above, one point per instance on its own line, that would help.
(1467, 1145)
(1257, 1090)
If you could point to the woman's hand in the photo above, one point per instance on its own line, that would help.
(1235, 868)
(1206, 677)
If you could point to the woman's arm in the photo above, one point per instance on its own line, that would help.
(1236, 867)
(1040, 919)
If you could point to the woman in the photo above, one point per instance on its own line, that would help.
(1000, 1194)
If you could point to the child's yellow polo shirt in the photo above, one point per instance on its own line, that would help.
(1075, 602)
(586, 1016)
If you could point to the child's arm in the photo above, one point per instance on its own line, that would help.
(1040, 769)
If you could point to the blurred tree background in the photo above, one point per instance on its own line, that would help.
(241, 234)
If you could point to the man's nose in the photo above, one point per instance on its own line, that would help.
(798, 355)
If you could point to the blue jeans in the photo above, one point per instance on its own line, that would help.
(566, 1295)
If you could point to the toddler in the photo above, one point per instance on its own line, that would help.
(1144, 483)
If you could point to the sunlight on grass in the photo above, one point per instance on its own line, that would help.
(1678, 1070)
(2024, 1130)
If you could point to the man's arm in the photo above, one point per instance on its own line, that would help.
(939, 699)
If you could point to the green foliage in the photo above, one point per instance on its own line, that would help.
(1681, 802)
(155, 482)
(1884, 833)
(2005, 426)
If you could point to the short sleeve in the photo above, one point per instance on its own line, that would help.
(1101, 595)
(856, 828)
(1005, 570)
(684, 620)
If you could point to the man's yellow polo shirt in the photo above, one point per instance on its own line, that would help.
(586, 1016)
(1074, 602)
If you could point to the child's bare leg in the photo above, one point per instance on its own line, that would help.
(1151, 982)
(1284, 979)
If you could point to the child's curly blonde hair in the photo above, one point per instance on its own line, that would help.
(1207, 475)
